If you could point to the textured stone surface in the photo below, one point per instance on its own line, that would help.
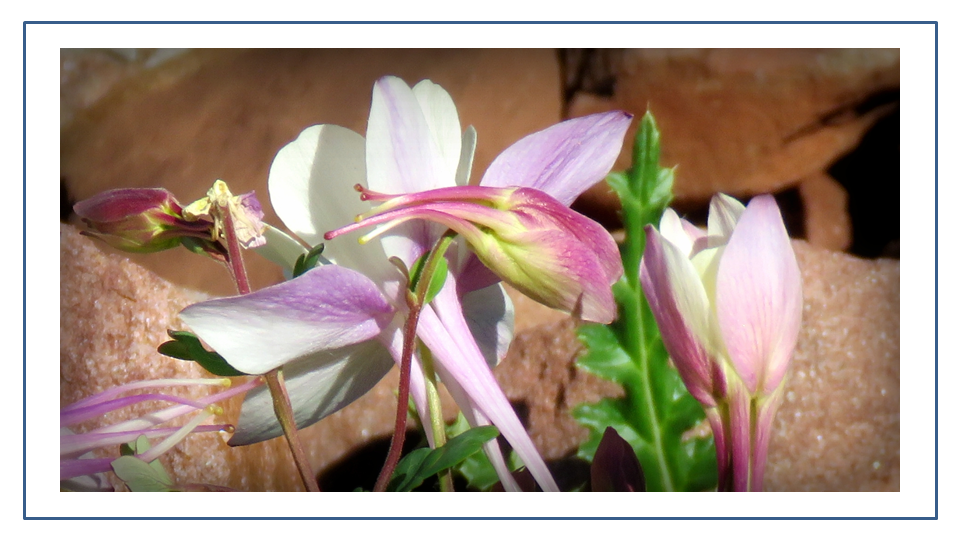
(225, 114)
(838, 428)
(749, 121)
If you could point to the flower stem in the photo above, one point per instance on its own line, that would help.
(281, 401)
(436, 412)
(415, 301)
(284, 412)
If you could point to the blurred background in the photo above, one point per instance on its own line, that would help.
(817, 127)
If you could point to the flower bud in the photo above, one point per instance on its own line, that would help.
(141, 220)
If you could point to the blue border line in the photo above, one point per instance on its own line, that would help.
(936, 453)
(936, 277)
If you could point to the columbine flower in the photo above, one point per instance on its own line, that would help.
(547, 251)
(337, 328)
(75, 448)
(728, 304)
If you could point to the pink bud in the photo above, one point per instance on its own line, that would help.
(138, 220)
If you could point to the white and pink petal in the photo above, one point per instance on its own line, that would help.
(326, 308)
(759, 299)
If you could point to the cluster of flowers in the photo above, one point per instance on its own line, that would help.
(727, 300)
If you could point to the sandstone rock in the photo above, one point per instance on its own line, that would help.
(826, 220)
(838, 428)
(748, 121)
(224, 114)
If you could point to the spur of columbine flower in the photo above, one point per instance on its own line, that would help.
(79, 469)
(541, 247)
(336, 329)
(728, 303)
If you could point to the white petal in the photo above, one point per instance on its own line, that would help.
(280, 249)
(311, 187)
(467, 146)
(672, 228)
(489, 315)
(318, 385)
(443, 124)
(725, 212)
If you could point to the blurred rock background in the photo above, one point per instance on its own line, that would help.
(819, 128)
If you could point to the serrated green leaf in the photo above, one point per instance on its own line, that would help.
(656, 410)
(187, 346)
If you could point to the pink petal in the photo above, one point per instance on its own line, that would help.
(679, 305)
(563, 160)
(759, 300)
(459, 359)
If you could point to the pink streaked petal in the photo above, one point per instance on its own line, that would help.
(766, 411)
(402, 153)
(538, 206)
(718, 426)
(725, 211)
(555, 269)
(759, 299)
(443, 123)
(403, 156)
(741, 457)
(318, 385)
(474, 275)
(327, 308)
(475, 418)
(392, 339)
(460, 360)
(563, 160)
(489, 316)
(680, 306)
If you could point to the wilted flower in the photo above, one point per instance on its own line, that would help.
(220, 205)
(728, 303)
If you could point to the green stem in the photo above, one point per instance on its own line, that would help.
(635, 325)
(284, 411)
(415, 302)
(278, 392)
(436, 412)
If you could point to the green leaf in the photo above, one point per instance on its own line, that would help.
(423, 463)
(307, 261)
(187, 346)
(656, 409)
(437, 280)
(138, 474)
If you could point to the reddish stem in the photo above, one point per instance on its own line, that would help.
(281, 401)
